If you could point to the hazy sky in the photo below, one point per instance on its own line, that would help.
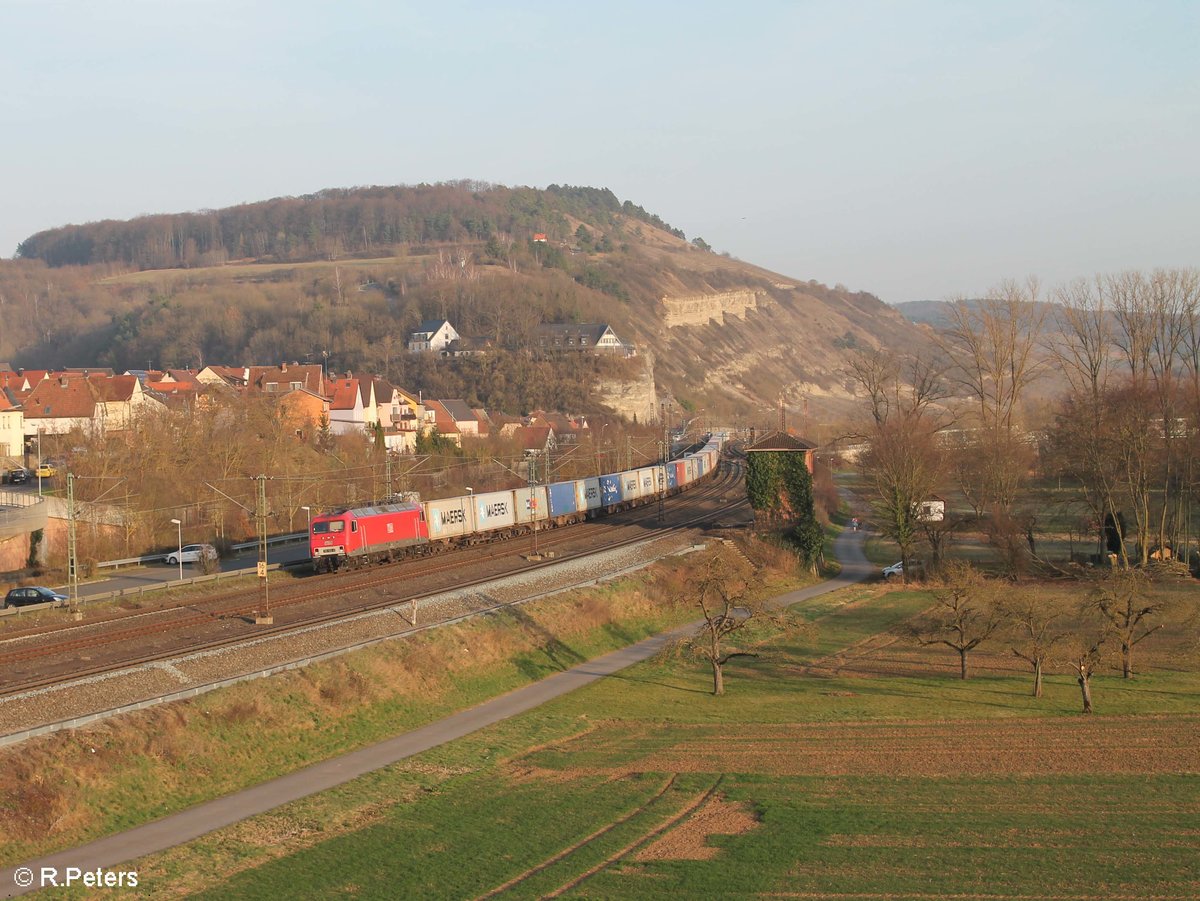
(914, 150)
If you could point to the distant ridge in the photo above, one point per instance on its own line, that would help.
(344, 276)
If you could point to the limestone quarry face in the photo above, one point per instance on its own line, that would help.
(700, 309)
(632, 398)
(773, 340)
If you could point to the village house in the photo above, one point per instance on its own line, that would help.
(485, 421)
(64, 402)
(286, 377)
(595, 337)
(304, 411)
(468, 347)
(536, 440)
(12, 430)
(432, 335)
(223, 376)
(352, 407)
(566, 429)
(463, 417)
(442, 421)
(400, 414)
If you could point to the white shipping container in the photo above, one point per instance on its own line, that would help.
(495, 510)
(647, 482)
(631, 486)
(450, 517)
(532, 504)
(587, 494)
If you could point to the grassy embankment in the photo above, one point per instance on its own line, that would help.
(71, 787)
(839, 764)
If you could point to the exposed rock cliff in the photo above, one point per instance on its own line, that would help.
(700, 309)
(634, 397)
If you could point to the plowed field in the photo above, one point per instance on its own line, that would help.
(1014, 747)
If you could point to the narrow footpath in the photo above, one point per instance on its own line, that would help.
(186, 825)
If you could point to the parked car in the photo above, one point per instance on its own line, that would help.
(192, 553)
(21, 597)
(18, 477)
(45, 471)
(896, 569)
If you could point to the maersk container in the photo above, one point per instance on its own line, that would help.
(450, 517)
(495, 510)
(562, 499)
(631, 485)
(648, 481)
(611, 490)
(530, 504)
(587, 495)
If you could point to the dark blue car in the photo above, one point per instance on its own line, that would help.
(21, 597)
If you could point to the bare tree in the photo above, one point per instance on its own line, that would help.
(964, 617)
(1084, 340)
(903, 463)
(1084, 652)
(1123, 600)
(723, 596)
(992, 344)
(1034, 635)
(937, 535)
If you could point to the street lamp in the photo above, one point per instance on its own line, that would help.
(179, 534)
(39, 466)
(308, 510)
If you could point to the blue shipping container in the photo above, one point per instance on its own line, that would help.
(610, 490)
(562, 499)
(671, 476)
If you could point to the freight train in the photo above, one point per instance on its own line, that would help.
(382, 533)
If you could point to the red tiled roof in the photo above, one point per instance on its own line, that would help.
(173, 387)
(309, 375)
(442, 418)
(534, 437)
(115, 388)
(68, 399)
(345, 395)
(781, 441)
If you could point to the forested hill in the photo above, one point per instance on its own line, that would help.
(344, 276)
(334, 222)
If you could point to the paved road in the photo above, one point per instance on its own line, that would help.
(161, 572)
(197, 821)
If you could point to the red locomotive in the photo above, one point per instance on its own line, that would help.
(380, 533)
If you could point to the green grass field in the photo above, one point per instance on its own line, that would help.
(835, 767)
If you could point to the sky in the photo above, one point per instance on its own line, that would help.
(917, 150)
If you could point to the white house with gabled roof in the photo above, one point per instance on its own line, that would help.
(432, 335)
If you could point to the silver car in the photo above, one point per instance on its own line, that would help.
(192, 553)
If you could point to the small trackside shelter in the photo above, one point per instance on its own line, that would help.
(785, 442)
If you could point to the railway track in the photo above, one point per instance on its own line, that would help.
(231, 610)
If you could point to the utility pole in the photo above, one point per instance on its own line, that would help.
(263, 617)
(72, 551)
(532, 472)
(387, 458)
(664, 456)
(628, 452)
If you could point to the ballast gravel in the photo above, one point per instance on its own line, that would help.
(146, 683)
